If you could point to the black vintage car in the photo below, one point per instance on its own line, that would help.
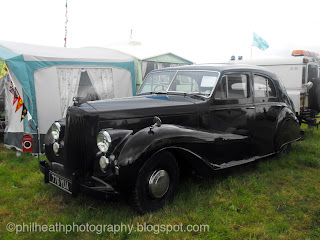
(202, 118)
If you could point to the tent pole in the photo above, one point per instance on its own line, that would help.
(39, 145)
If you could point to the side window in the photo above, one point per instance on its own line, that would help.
(233, 86)
(263, 87)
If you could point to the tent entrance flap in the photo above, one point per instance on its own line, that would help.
(102, 82)
(90, 84)
(86, 91)
(68, 82)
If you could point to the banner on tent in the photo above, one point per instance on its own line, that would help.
(3, 68)
(16, 96)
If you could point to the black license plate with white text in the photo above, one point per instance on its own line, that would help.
(60, 182)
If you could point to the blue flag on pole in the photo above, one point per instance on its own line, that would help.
(259, 42)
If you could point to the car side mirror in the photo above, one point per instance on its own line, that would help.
(157, 121)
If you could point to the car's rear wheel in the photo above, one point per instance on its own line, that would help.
(157, 183)
(285, 150)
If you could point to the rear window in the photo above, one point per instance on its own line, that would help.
(263, 87)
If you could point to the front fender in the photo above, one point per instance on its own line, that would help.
(138, 148)
(118, 137)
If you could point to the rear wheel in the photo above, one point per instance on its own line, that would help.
(156, 183)
(285, 150)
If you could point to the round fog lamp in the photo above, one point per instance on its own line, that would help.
(56, 148)
(104, 162)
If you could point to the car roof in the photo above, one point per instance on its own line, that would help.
(220, 68)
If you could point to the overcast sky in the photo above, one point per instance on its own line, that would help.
(200, 31)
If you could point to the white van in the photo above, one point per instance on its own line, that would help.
(300, 76)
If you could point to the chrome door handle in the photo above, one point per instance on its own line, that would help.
(251, 108)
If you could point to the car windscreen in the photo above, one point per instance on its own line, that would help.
(194, 82)
(157, 82)
(190, 82)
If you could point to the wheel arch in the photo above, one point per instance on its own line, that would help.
(287, 129)
(137, 151)
(187, 160)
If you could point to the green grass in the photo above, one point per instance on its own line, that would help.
(275, 198)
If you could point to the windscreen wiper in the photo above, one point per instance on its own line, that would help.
(159, 92)
(194, 95)
(150, 93)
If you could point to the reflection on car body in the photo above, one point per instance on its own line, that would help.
(208, 117)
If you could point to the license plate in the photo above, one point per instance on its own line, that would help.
(60, 182)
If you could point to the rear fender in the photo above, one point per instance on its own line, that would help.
(287, 129)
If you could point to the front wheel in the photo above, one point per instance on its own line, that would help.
(157, 183)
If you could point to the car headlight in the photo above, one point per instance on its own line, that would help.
(55, 130)
(104, 163)
(103, 141)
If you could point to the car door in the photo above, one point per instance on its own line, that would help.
(230, 114)
(267, 107)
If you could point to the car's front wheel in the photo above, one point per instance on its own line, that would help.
(157, 183)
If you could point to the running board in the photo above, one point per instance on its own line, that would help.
(236, 163)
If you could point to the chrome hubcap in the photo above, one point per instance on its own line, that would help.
(159, 183)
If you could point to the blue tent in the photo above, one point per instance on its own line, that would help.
(47, 78)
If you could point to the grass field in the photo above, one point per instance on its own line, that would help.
(275, 198)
